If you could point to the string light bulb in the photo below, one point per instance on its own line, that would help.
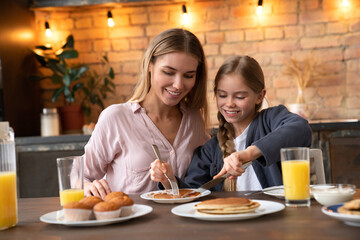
(48, 32)
(110, 19)
(185, 16)
(345, 3)
(259, 7)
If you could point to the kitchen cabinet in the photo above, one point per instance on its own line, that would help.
(340, 143)
(36, 162)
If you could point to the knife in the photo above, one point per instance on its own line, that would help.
(214, 182)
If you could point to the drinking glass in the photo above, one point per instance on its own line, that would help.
(71, 178)
(296, 176)
(8, 196)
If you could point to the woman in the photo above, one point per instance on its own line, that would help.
(168, 108)
(245, 134)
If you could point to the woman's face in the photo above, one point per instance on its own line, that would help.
(173, 75)
(236, 101)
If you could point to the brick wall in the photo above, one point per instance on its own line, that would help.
(287, 28)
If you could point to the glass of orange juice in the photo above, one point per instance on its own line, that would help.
(296, 176)
(8, 197)
(71, 178)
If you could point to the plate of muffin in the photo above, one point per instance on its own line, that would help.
(348, 212)
(227, 209)
(166, 196)
(94, 211)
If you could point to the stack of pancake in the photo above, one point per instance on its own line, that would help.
(231, 205)
(352, 207)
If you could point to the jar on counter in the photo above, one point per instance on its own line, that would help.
(50, 122)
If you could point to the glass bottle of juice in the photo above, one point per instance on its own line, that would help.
(8, 198)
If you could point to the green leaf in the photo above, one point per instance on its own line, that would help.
(69, 53)
(77, 86)
(66, 80)
(56, 79)
(106, 58)
(57, 94)
(69, 42)
(40, 59)
(42, 47)
(80, 71)
(69, 95)
(111, 73)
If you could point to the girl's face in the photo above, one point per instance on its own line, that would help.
(236, 101)
(173, 75)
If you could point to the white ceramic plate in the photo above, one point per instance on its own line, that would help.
(352, 220)
(137, 211)
(266, 207)
(278, 191)
(149, 196)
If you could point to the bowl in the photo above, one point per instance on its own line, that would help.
(331, 194)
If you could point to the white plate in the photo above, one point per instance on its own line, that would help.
(266, 207)
(278, 191)
(352, 220)
(137, 211)
(149, 196)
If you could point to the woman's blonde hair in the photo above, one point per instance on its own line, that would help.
(251, 72)
(169, 41)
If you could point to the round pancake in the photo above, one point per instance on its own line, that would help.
(347, 211)
(226, 206)
(223, 202)
(182, 192)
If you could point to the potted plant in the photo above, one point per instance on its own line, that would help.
(67, 78)
(97, 86)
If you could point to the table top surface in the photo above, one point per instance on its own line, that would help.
(290, 223)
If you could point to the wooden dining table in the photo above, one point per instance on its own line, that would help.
(161, 223)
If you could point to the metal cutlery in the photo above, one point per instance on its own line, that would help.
(215, 181)
(173, 183)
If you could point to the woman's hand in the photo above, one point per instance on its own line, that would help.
(98, 188)
(157, 170)
(233, 163)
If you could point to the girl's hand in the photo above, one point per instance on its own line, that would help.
(157, 170)
(98, 188)
(233, 163)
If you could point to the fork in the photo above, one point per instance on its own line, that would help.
(173, 183)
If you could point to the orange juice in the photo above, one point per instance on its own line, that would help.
(296, 178)
(8, 203)
(69, 195)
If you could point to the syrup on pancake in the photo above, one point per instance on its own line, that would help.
(165, 195)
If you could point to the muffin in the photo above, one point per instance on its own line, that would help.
(76, 211)
(107, 210)
(91, 201)
(126, 204)
(114, 195)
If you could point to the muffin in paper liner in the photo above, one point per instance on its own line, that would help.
(126, 211)
(126, 204)
(75, 215)
(107, 214)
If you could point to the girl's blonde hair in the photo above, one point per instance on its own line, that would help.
(169, 41)
(251, 72)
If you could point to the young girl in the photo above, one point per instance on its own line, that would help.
(168, 108)
(245, 134)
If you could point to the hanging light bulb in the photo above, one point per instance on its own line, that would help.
(47, 29)
(345, 3)
(185, 16)
(259, 7)
(110, 19)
